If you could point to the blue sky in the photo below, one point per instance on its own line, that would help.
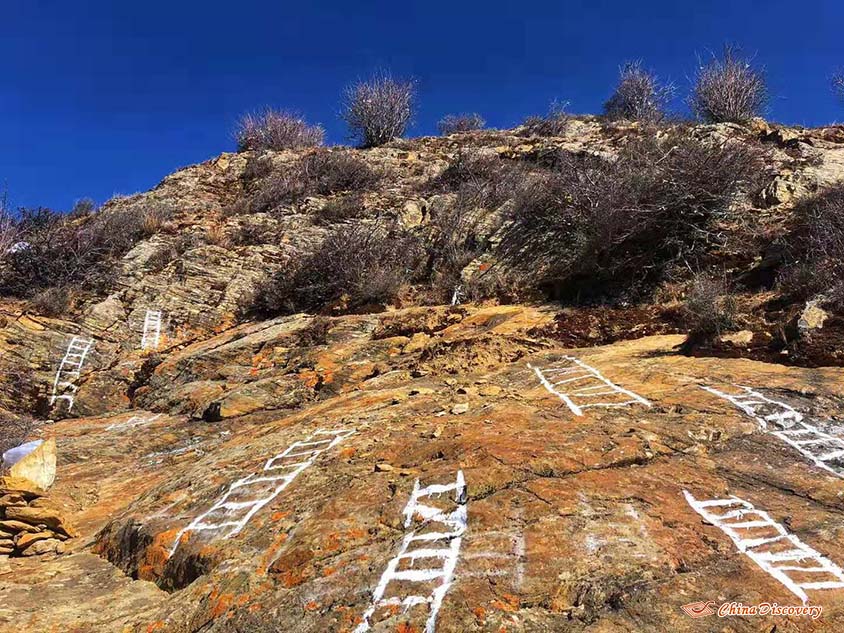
(105, 97)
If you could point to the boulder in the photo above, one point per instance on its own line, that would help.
(39, 466)
(812, 317)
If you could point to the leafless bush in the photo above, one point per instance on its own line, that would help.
(456, 123)
(639, 95)
(480, 179)
(709, 307)
(14, 431)
(276, 130)
(593, 225)
(61, 251)
(314, 333)
(51, 302)
(459, 235)
(838, 84)
(379, 110)
(354, 268)
(8, 229)
(552, 124)
(815, 247)
(350, 206)
(728, 88)
(321, 173)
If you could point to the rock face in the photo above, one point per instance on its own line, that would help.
(456, 468)
(572, 515)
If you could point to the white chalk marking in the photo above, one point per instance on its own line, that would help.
(575, 374)
(134, 421)
(152, 330)
(822, 449)
(69, 370)
(442, 546)
(754, 548)
(233, 515)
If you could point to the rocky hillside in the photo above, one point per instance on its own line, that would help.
(472, 434)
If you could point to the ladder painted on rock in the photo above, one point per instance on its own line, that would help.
(770, 546)
(246, 496)
(822, 449)
(69, 370)
(440, 549)
(761, 408)
(152, 330)
(576, 384)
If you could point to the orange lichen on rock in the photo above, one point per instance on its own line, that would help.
(509, 603)
(157, 554)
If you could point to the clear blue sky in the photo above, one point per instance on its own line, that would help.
(105, 96)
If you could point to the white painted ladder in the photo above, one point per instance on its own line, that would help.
(769, 545)
(822, 449)
(245, 497)
(582, 383)
(69, 370)
(152, 330)
(442, 547)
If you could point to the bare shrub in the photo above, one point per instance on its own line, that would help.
(351, 206)
(815, 247)
(639, 95)
(554, 123)
(596, 226)
(314, 333)
(276, 130)
(8, 229)
(709, 307)
(728, 89)
(61, 251)
(379, 109)
(838, 84)
(352, 269)
(459, 235)
(14, 431)
(51, 302)
(456, 123)
(321, 173)
(480, 179)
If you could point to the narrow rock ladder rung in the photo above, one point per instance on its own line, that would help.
(454, 524)
(766, 559)
(236, 514)
(574, 375)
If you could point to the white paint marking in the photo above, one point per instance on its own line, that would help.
(580, 371)
(252, 506)
(822, 449)
(133, 422)
(776, 534)
(455, 527)
(152, 330)
(69, 370)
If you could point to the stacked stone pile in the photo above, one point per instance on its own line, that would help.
(30, 524)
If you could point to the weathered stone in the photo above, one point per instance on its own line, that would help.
(20, 486)
(39, 466)
(12, 499)
(52, 517)
(39, 548)
(460, 408)
(10, 525)
(26, 539)
(812, 317)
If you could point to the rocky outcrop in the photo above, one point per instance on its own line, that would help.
(239, 474)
